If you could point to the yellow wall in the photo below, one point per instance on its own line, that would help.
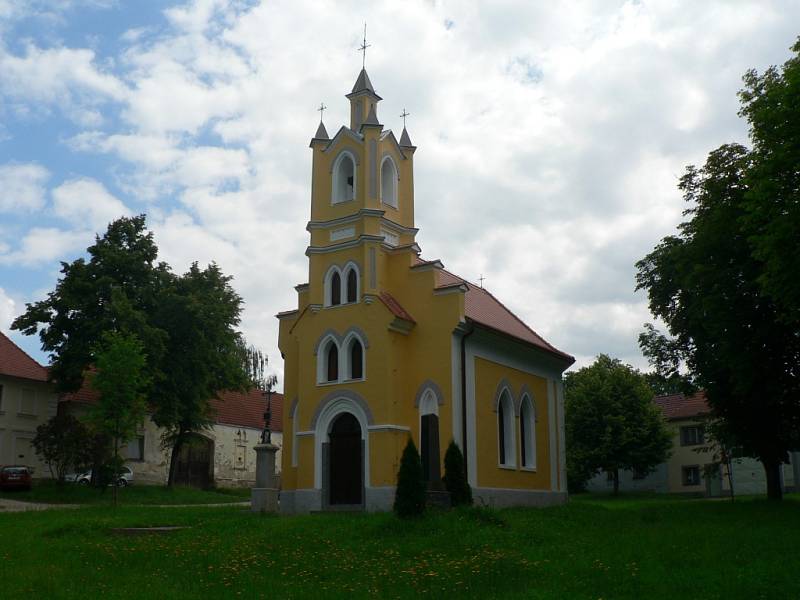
(487, 377)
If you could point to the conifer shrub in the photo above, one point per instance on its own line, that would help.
(409, 500)
(455, 480)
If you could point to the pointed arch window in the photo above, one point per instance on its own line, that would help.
(344, 178)
(527, 433)
(336, 289)
(332, 358)
(505, 430)
(389, 182)
(356, 360)
(352, 285)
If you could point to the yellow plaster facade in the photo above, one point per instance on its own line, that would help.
(422, 362)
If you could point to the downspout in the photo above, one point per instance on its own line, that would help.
(464, 398)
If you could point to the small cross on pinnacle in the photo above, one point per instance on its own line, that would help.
(481, 279)
(404, 114)
(321, 109)
(363, 48)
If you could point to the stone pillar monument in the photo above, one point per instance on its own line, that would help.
(264, 497)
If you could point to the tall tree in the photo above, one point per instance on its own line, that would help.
(187, 324)
(120, 378)
(612, 422)
(771, 105)
(116, 289)
(666, 359)
(200, 311)
(705, 285)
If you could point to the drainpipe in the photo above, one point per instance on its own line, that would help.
(464, 398)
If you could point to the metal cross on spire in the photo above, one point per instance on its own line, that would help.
(481, 279)
(363, 48)
(404, 114)
(321, 109)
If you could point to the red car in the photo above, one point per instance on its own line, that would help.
(15, 477)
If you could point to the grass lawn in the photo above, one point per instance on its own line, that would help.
(72, 493)
(591, 548)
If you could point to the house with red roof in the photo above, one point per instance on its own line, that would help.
(26, 401)
(222, 455)
(690, 468)
(386, 347)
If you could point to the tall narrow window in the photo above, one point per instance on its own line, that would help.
(352, 286)
(333, 362)
(527, 430)
(389, 182)
(501, 432)
(356, 360)
(336, 289)
(505, 430)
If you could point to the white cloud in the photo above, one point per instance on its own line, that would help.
(87, 202)
(550, 136)
(22, 187)
(8, 311)
(45, 245)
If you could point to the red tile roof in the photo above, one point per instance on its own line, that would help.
(14, 362)
(678, 406)
(394, 306)
(231, 408)
(483, 308)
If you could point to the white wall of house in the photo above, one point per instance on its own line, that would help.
(24, 405)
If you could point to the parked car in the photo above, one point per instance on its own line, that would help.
(125, 478)
(15, 477)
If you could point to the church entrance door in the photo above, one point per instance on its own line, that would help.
(346, 461)
(430, 451)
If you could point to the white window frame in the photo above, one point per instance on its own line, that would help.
(348, 367)
(351, 266)
(322, 360)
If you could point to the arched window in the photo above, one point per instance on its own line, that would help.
(356, 360)
(505, 430)
(352, 285)
(527, 433)
(336, 289)
(344, 178)
(389, 182)
(332, 357)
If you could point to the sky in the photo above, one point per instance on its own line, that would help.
(551, 137)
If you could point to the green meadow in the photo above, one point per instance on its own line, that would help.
(640, 547)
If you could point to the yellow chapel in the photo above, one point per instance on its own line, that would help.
(384, 345)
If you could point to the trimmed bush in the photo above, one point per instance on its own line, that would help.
(455, 479)
(409, 500)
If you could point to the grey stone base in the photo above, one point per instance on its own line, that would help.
(264, 500)
(303, 501)
(503, 497)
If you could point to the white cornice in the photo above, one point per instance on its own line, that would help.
(344, 245)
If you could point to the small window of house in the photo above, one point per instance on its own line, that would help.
(691, 475)
(344, 174)
(27, 402)
(692, 435)
(1, 398)
(135, 448)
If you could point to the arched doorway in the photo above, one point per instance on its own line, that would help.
(196, 462)
(345, 461)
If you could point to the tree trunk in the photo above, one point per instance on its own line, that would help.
(616, 482)
(173, 459)
(774, 487)
(115, 482)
